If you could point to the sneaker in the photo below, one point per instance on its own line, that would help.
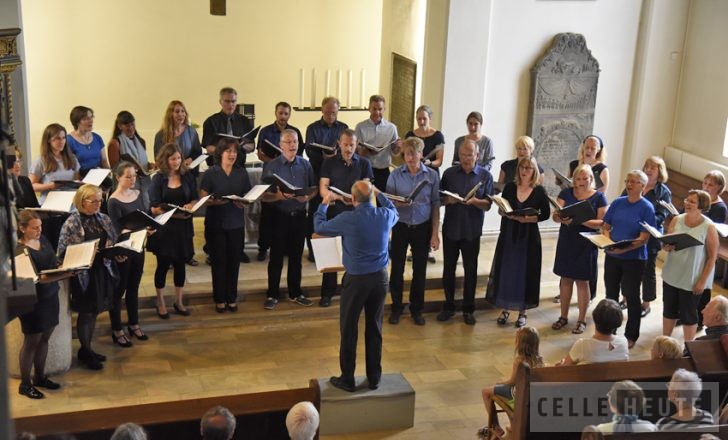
(431, 257)
(301, 300)
(445, 315)
(270, 303)
(468, 318)
(394, 317)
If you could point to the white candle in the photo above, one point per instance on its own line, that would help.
(348, 90)
(313, 88)
(302, 85)
(338, 83)
(363, 87)
(327, 83)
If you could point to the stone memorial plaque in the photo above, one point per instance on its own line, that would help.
(561, 104)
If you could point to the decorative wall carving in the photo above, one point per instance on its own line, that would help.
(562, 100)
(9, 61)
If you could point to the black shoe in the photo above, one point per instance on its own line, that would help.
(394, 317)
(29, 390)
(325, 301)
(162, 315)
(418, 319)
(244, 258)
(208, 260)
(181, 311)
(623, 305)
(99, 357)
(219, 309)
(262, 255)
(232, 307)
(137, 333)
(445, 315)
(192, 262)
(311, 257)
(468, 318)
(46, 383)
(339, 383)
(121, 341)
(373, 384)
(87, 357)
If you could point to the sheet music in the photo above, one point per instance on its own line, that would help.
(195, 163)
(58, 201)
(255, 193)
(24, 267)
(96, 176)
(328, 253)
(164, 217)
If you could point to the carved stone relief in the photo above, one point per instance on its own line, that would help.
(561, 105)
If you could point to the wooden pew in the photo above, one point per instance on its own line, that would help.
(638, 371)
(259, 416)
(683, 435)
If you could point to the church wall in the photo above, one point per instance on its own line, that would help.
(702, 107)
(138, 55)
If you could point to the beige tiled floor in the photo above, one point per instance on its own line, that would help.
(209, 354)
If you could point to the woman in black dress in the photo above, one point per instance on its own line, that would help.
(38, 324)
(432, 138)
(225, 222)
(123, 201)
(515, 277)
(92, 289)
(172, 245)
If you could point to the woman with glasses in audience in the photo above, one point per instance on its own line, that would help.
(92, 289)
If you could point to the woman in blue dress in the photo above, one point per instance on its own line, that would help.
(576, 257)
(85, 144)
(515, 277)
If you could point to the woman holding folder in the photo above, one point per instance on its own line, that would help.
(515, 278)
(91, 290)
(576, 257)
(688, 272)
(225, 222)
(38, 324)
(172, 245)
(122, 202)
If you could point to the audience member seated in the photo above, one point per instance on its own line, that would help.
(591, 432)
(666, 347)
(683, 391)
(626, 400)
(723, 419)
(715, 318)
(218, 423)
(604, 346)
(302, 421)
(527, 343)
(129, 431)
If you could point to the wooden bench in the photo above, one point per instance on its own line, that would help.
(638, 371)
(682, 435)
(259, 416)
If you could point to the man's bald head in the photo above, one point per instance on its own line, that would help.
(361, 191)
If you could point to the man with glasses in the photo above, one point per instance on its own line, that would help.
(288, 220)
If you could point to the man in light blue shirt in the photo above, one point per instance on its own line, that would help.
(378, 132)
(364, 232)
(418, 227)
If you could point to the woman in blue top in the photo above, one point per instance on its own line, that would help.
(576, 258)
(623, 267)
(86, 145)
(688, 272)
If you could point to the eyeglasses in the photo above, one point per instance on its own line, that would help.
(93, 201)
(633, 182)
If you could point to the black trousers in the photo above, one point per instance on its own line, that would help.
(649, 279)
(130, 276)
(626, 275)
(451, 250)
(362, 292)
(287, 239)
(418, 238)
(225, 251)
(265, 226)
(178, 266)
(313, 205)
(380, 178)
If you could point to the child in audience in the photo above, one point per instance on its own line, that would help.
(626, 400)
(527, 342)
(604, 346)
(666, 347)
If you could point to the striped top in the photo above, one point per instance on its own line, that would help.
(701, 418)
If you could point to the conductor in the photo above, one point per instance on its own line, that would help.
(364, 232)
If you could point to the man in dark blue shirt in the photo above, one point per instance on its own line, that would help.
(365, 232)
(288, 220)
(340, 171)
(462, 227)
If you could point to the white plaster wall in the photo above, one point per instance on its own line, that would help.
(488, 64)
(703, 98)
